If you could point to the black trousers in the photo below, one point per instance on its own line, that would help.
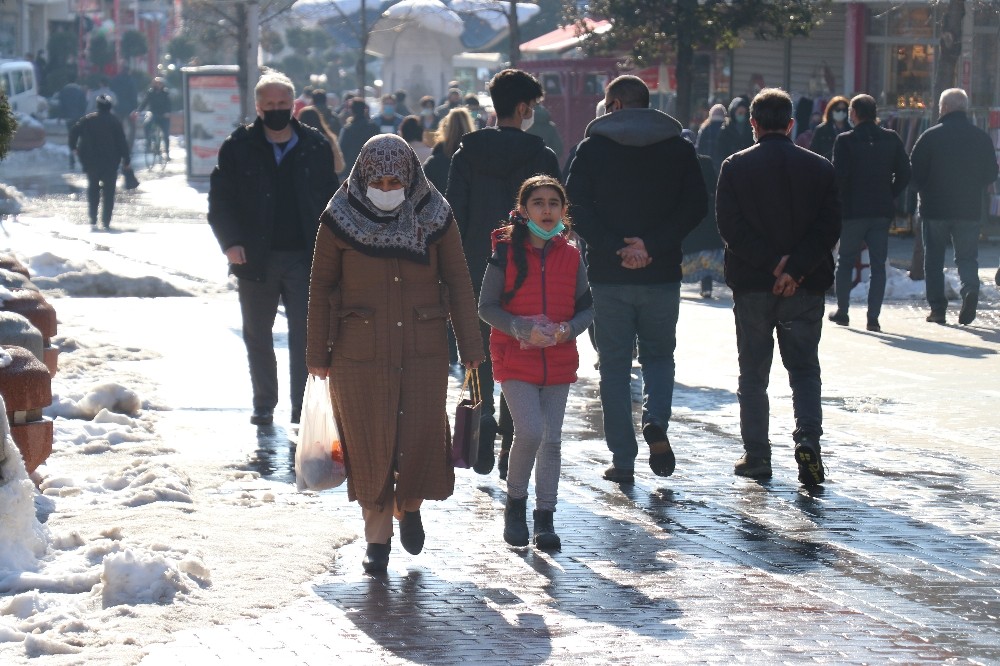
(101, 184)
(286, 281)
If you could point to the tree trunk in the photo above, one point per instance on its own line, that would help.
(685, 60)
(515, 34)
(949, 49)
(246, 106)
(363, 35)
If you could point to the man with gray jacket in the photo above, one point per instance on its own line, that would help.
(636, 190)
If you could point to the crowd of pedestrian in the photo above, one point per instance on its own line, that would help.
(451, 206)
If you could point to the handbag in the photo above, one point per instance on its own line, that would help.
(131, 182)
(465, 444)
(319, 455)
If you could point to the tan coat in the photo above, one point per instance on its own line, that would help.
(379, 324)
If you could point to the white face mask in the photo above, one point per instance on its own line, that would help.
(526, 123)
(839, 116)
(387, 201)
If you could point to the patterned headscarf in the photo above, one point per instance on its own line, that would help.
(404, 233)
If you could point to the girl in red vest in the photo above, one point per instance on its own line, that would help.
(536, 297)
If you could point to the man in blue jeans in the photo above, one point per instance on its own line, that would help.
(953, 163)
(779, 215)
(636, 191)
(872, 170)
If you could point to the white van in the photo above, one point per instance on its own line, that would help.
(17, 79)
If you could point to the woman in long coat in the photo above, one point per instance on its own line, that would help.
(387, 272)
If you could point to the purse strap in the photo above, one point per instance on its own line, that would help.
(472, 382)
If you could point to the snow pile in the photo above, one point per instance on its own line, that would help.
(22, 538)
(135, 577)
(5, 357)
(107, 397)
(88, 278)
(899, 286)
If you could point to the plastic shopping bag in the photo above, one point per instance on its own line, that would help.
(319, 456)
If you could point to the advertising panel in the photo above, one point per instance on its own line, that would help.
(211, 112)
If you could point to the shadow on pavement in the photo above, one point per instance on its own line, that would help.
(429, 620)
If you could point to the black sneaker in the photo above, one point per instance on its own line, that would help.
(839, 317)
(262, 417)
(661, 456)
(936, 317)
(753, 467)
(968, 312)
(618, 475)
(810, 462)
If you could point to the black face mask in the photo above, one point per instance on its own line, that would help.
(277, 119)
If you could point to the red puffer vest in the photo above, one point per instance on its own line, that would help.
(549, 289)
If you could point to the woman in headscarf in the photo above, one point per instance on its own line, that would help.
(387, 272)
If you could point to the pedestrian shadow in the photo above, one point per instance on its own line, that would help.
(925, 346)
(702, 398)
(426, 619)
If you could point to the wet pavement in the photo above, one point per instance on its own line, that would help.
(896, 559)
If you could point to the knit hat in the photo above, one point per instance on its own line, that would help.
(717, 112)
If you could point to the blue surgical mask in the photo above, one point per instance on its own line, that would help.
(542, 233)
(388, 110)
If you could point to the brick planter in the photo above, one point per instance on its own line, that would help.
(33, 307)
(26, 387)
(10, 263)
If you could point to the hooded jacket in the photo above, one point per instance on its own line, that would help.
(486, 172)
(635, 176)
(99, 140)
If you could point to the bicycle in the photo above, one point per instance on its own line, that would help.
(155, 148)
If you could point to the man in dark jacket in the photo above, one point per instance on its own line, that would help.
(872, 170)
(485, 175)
(272, 182)
(636, 190)
(953, 162)
(779, 215)
(99, 141)
(358, 129)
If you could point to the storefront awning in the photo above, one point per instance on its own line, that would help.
(562, 38)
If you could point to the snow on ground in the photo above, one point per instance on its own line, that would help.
(138, 528)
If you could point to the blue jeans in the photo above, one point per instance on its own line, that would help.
(798, 321)
(625, 313)
(286, 279)
(874, 232)
(964, 235)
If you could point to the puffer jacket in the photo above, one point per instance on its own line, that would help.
(549, 289)
(242, 192)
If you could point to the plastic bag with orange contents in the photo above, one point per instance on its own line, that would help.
(319, 456)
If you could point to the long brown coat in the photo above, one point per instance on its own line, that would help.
(379, 324)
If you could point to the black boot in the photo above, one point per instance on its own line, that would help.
(515, 522)
(545, 534)
(487, 442)
(377, 557)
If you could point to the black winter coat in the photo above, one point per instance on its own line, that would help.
(436, 168)
(243, 191)
(486, 172)
(732, 138)
(777, 199)
(635, 176)
(706, 235)
(99, 140)
(953, 162)
(823, 138)
(872, 170)
(352, 138)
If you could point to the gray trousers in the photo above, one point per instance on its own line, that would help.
(538, 413)
(286, 280)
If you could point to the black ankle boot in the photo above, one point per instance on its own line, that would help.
(515, 522)
(545, 534)
(377, 557)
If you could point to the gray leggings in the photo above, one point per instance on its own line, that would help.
(538, 413)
